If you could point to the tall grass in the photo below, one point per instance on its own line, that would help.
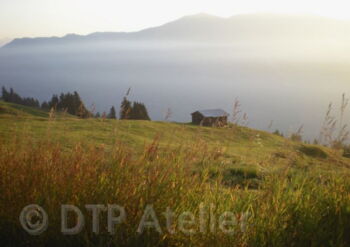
(334, 131)
(286, 208)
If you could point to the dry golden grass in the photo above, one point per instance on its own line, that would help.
(289, 208)
(289, 198)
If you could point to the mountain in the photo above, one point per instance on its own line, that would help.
(212, 29)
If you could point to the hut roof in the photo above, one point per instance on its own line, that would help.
(212, 113)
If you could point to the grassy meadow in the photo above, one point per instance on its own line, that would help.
(288, 193)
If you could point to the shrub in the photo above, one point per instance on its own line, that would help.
(313, 151)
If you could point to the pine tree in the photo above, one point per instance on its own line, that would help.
(135, 111)
(5, 94)
(112, 113)
(144, 112)
(45, 106)
(125, 109)
(54, 102)
(139, 111)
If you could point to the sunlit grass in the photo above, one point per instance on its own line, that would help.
(292, 198)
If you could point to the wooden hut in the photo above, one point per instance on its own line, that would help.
(212, 117)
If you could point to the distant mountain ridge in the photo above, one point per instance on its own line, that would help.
(212, 29)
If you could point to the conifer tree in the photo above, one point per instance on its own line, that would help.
(112, 113)
(139, 111)
(125, 109)
(45, 106)
(5, 94)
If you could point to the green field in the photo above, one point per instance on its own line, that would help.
(293, 194)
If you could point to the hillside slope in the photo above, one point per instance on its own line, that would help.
(10, 109)
(235, 145)
(278, 192)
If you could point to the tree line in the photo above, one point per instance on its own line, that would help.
(128, 110)
(11, 96)
(133, 110)
(72, 104)
(69, 102)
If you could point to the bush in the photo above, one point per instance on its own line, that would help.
(313, 151)
(346, 151)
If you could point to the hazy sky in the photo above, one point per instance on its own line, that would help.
(32, 18)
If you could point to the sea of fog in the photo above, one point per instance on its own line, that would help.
(278, 87)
